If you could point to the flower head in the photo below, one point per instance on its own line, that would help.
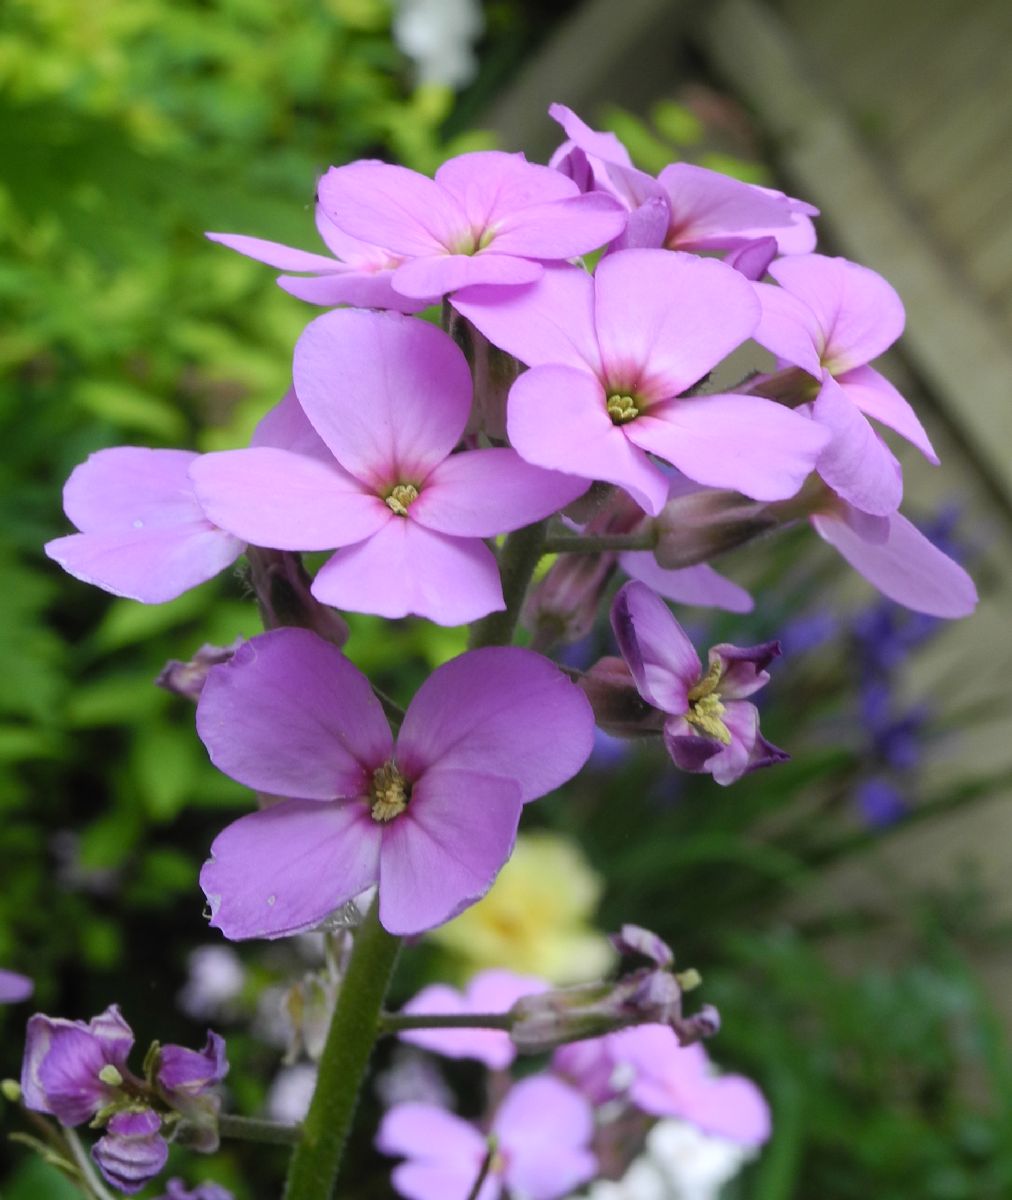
(430, 819)
(487, 217)
(711, 727)
(390, 399)
(611, 356)
(538, 1146)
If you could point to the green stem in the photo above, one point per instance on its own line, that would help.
(397, 1022)
(563, 543)
(253, 1129)
(89, 1175)
(315, 1160)
(486, 1167)
(517, 561)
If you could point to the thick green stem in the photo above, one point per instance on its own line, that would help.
(517, 562)
(315, 1160)
(397, 1022)
(254, 1129)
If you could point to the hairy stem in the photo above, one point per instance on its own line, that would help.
(253, 1129)
(89, 1176)
(486, 1166)
(316, 1158)
(398, 1022)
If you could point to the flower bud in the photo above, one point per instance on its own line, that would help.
(184, 1079)
(618, 707)
(176, 1189)
(187, 678)
(696, 527)
(282, 587)
(133, 1151)
(563, 605)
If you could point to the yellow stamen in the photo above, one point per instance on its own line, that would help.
(389, 793)
(400, 498)
(705, 708)
(622, 409)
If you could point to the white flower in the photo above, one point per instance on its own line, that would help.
(440, 35)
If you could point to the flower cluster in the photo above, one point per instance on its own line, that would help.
(78, 1072)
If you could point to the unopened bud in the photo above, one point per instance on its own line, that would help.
(791, 386)
(689, 980)
(634, 939)
(110, 1074)
(11, 1090)
(563, 606)
(618, 707)
(282, 586)
(697, 527)
(188, 678)
(701, 1025)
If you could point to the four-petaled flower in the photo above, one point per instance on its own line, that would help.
(430, 819)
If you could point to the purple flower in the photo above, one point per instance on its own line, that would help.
(611, 356)
(686, 207)
(542, 1133)
(647, 1066)
(431, 820)
(14, 987)
(176, 1189)
(895, 557)
(880, 803)
(358, 273)
(831, 317)
(72, 1069)
(143, 534)
(390, 397)
(486, 217)
(711, 727)
(132, 1151)
(493, 991)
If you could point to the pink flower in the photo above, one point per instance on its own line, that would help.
(494, 991)
(143, 534)
(895, 557)
(14, 987)
(542, 1134)
(611, 356)
(669, 1080)
(390, 398)
(686, 207)
(831, 317)
(430, 819)
(710, 727)
(358, 274)
(486, 217)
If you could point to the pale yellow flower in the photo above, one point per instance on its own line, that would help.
(535, 918)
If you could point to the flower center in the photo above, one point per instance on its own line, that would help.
(400, 498)
(705, 707)
(622, 409)
(389, 793)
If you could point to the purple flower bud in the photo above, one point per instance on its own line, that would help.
(70, 1069)
(619, 709)
(176, 1189)
(14, 987)
(187, 678)
(695, 527)
(634, 939)
(563, 606)
(752, 258)
(133, 1151)
(192, 1072)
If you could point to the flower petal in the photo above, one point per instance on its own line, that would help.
(407, 569)
(274, 254)
(490, 185)
(856, 464)
(361, 288)
(291, 716)
(700, 585)
(752, 445)
(437, 275)
(502, 711)
(711, 210)
(286, 501)
(390, 396)
(392, 207)
(665, 319)
(562, 229)
(549, 321)
(545, 1128)
(129, 487)
(286, 868)
(149, 565)
(482, 493)
(789, 329)
(445, 851)
(556, 418)
(656, 648)
(286, 427)
(906, 567)
(876, 397)
(429, 1134)
(859, 313)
